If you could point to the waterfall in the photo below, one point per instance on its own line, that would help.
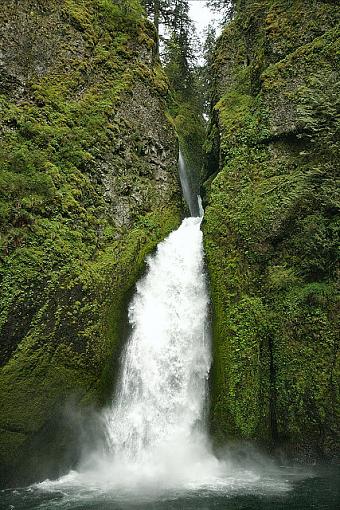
(161, 394)
(156, 438)
(156, 421)
(192, 200)
(157, 416)
(155, 427)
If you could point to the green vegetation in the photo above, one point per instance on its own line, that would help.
(272, 227)
(88, 187)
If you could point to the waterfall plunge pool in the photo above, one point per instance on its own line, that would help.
(294, 491)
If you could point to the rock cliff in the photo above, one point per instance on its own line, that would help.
(272, 224)
(88, 187)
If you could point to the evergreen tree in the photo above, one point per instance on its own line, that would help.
(205, 72)
(179, 49)
(160, 11)
(171, 15)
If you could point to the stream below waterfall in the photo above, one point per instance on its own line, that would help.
(281, 489)
(157, 454)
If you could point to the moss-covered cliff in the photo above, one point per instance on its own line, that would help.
(88, 186)
(272, 224)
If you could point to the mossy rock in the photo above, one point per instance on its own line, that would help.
(89, 186)
(271, 229)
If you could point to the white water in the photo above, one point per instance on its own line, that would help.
(156, 424)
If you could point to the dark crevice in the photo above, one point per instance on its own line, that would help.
(273, 394)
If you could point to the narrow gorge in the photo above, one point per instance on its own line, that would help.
(155, 355)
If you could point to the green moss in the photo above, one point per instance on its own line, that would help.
(271, 227)
(306, 379)
(81, 207)
(50, 364)
(11, 444)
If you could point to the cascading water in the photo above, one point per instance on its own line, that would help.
(161, 394)
(156, 421)
(155, 427)
(190, 197)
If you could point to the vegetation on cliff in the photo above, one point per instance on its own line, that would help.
(88, 186)
(272, 226)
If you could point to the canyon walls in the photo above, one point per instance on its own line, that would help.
(271, 227)
(89, 186)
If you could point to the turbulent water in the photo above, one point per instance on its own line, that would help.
(320, 492)
(155, 426)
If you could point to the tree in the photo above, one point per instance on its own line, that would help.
(205, 72)
(177, 37)
(169, 13)
(178, 53)
(160, 11)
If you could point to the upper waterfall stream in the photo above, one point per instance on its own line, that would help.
(192, 200)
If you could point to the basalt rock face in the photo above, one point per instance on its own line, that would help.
(271, 227)
(88, 187)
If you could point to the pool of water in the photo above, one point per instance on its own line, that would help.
(288, 489)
